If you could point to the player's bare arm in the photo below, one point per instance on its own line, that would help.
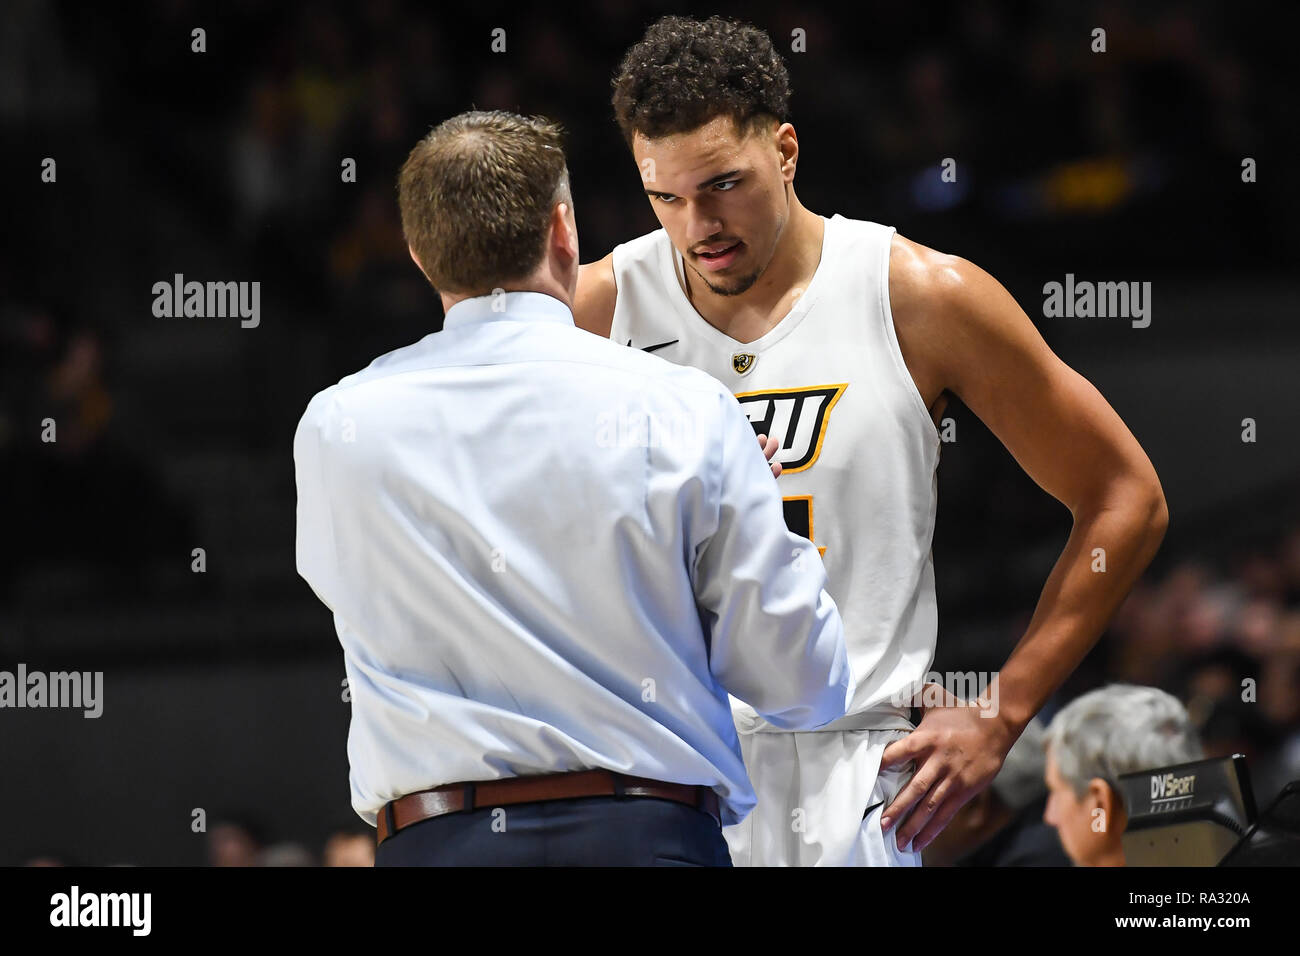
(962, 333)
(593, 306)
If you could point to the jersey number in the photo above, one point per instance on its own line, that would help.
(799, 517)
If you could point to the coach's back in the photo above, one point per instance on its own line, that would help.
(550, 558)
(548, 552)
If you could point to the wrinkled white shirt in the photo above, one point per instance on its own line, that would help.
(546, 552)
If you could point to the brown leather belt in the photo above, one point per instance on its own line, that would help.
(455, 797)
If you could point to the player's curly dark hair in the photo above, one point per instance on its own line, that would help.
(684, 73)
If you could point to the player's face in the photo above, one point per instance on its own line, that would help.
(1073, 818)
(721, 198)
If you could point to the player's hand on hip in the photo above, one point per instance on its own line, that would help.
(957, 752)
(769, 446)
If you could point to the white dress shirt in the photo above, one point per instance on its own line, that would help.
(546, 552)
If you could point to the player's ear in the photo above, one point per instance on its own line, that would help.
(787, 145)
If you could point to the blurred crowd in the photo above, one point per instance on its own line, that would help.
(240, 156)
(1095, 153)
(1225, 638)
(239, 840)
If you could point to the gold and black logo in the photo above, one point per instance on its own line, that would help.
(742, 362)
(796, 416)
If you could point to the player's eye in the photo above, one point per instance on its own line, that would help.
(729, 183)
(663, 198)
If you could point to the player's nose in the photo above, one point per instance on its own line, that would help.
(702, 227)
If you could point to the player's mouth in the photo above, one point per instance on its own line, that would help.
(719, 257)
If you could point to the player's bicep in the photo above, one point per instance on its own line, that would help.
(593, 306)
(1055, 423)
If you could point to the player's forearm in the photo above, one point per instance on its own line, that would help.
(1109, 547)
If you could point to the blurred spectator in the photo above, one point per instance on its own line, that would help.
(1290, 562)
(1091, 743)
(234, 842)
(350, 847)
(76, 491)
(286, 854)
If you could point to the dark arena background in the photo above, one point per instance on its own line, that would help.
(146, 469)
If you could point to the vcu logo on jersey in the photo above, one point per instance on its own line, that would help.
(796, 416)
(742, 362)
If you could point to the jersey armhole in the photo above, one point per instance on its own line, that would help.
(895, 350)
(616, 257)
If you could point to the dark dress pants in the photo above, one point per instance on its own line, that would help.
(587, 831)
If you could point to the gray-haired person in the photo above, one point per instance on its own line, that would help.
(1091, 743)
(550, 558)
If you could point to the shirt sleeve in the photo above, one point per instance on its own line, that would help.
(776, 639)
(314, 537)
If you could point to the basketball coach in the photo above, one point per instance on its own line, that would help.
(549, 557)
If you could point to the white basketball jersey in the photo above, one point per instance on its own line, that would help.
(859, 449)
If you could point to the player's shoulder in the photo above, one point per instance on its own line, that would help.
(922, 279)
(593, 303)
(643, 245)
(937, 301)
(918, 276)
(912, 266)
(593, 306)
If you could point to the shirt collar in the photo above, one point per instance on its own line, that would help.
(527, 306)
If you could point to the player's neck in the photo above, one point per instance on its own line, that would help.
(758, 309)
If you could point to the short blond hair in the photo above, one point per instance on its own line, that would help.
(476, 197)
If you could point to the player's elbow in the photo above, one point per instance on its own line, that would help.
(1133, 505)
(1147, 513)
(1148, 505)
(1135, 491)
(1158, 519)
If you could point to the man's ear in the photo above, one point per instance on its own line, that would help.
(1115, 811)
(1102, 794)
(565, 236)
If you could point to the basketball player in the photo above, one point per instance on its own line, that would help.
(843, 340)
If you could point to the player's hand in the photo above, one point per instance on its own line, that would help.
(957, 754)
(769, 446)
